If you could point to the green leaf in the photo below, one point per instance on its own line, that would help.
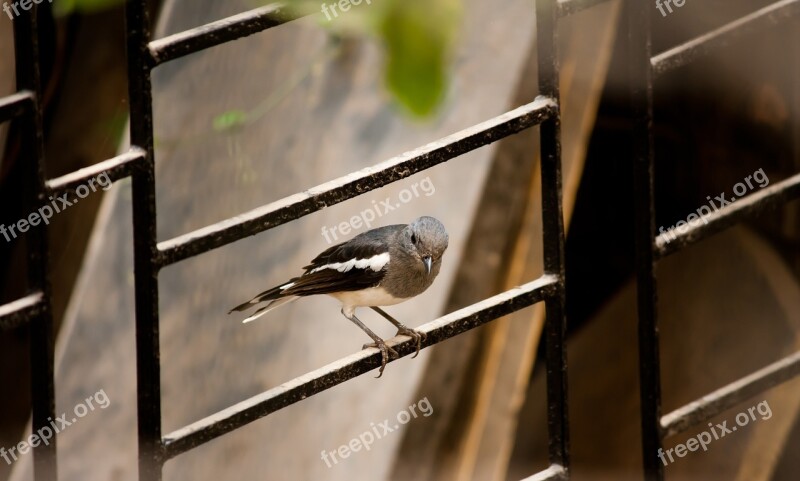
(230, 120)
(65, 7)
(419, 36)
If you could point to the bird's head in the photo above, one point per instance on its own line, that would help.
(425, 239)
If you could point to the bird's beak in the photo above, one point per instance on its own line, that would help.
(428, 264)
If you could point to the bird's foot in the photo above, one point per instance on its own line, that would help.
(417, 336)
(386, 352)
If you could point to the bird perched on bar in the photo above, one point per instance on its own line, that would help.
(380, 267)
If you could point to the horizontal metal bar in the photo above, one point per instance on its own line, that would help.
(770, 196)
(354, 365)
(22, 310)
(708, 406)
(568, 7)
(115, 168)
(14, 105)
(354, 184)
(722, 36)
(218, 32)
(554, 472)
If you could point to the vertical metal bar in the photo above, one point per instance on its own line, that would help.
(641, 77)
(553, 235)
(42, 342)
(794, 122)
(148, 374)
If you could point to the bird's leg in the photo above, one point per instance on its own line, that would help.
(402, 330)
(379, 343)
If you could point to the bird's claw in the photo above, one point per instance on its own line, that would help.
(417, 336)
(386, 352)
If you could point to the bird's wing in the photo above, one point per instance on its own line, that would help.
(357, 264)
(361, 246)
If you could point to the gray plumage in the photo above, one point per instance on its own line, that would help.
(380, 267)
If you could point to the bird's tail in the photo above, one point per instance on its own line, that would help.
(275, 295)
(272, 305)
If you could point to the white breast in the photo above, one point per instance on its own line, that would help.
(373, 296)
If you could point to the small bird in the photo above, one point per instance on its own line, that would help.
(380, 267)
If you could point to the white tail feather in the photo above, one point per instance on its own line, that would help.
(269, 307)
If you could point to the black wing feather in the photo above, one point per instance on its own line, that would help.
(326, 281)
(362, 246)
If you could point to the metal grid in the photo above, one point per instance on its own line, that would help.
(150, 256)
(145, 54)
(35, 308)
(644, 68)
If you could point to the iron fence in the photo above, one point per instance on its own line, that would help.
(644, 69)
(145, 54)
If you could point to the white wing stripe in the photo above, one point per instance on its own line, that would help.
(375, 263)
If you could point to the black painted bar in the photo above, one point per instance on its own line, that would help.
(553, 236)
(721, 37)
(221, 31)
(116, 168)
(42, 337)
(710, 405)
(553, 473)
(148, 368)
(768, 198)
(569, 7)
(354, 184)
(639, 48)
(14, 105)
(16, 313)
(355, 365)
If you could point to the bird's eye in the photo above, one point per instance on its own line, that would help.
(413, 238)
